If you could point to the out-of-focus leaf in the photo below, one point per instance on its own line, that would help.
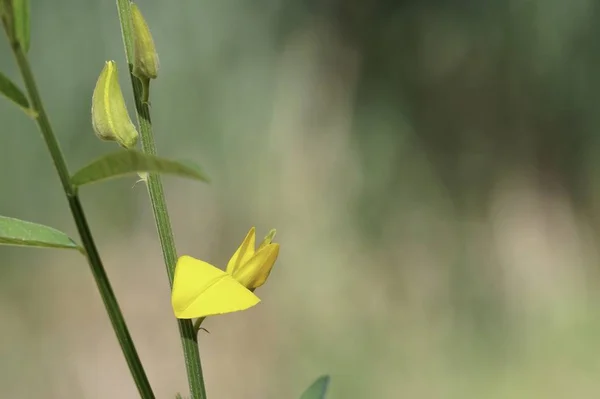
(7, 16)
(13, 93)
(22, 28)
(27, 234)
(318, 389)
(127, 162)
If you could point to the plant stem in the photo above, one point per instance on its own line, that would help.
(159, 207)
(91, 252)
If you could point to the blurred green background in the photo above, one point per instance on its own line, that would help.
(431, 168)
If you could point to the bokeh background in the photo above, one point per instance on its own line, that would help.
(431, 168)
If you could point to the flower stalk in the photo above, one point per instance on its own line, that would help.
(159, 207)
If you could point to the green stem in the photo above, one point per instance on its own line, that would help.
(91, 252)
(159, 207)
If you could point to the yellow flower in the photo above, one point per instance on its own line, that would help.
(201, 289)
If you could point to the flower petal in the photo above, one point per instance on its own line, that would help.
(254, 273)
(244, 253)
(200, 290)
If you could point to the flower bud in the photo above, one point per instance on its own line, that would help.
(109, 115)
(145, 62)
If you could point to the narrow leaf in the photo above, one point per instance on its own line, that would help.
(12, 92)
(22, 28)
(318, 389)
(21, 233)
(122, 163)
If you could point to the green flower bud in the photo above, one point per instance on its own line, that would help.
(109, 115)
(145, 62)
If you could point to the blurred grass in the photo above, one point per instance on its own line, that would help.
(430, 168)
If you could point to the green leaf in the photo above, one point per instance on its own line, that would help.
(21, 233)
(127, 162)
(22, 29)
(12, 92)
(318, 389)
